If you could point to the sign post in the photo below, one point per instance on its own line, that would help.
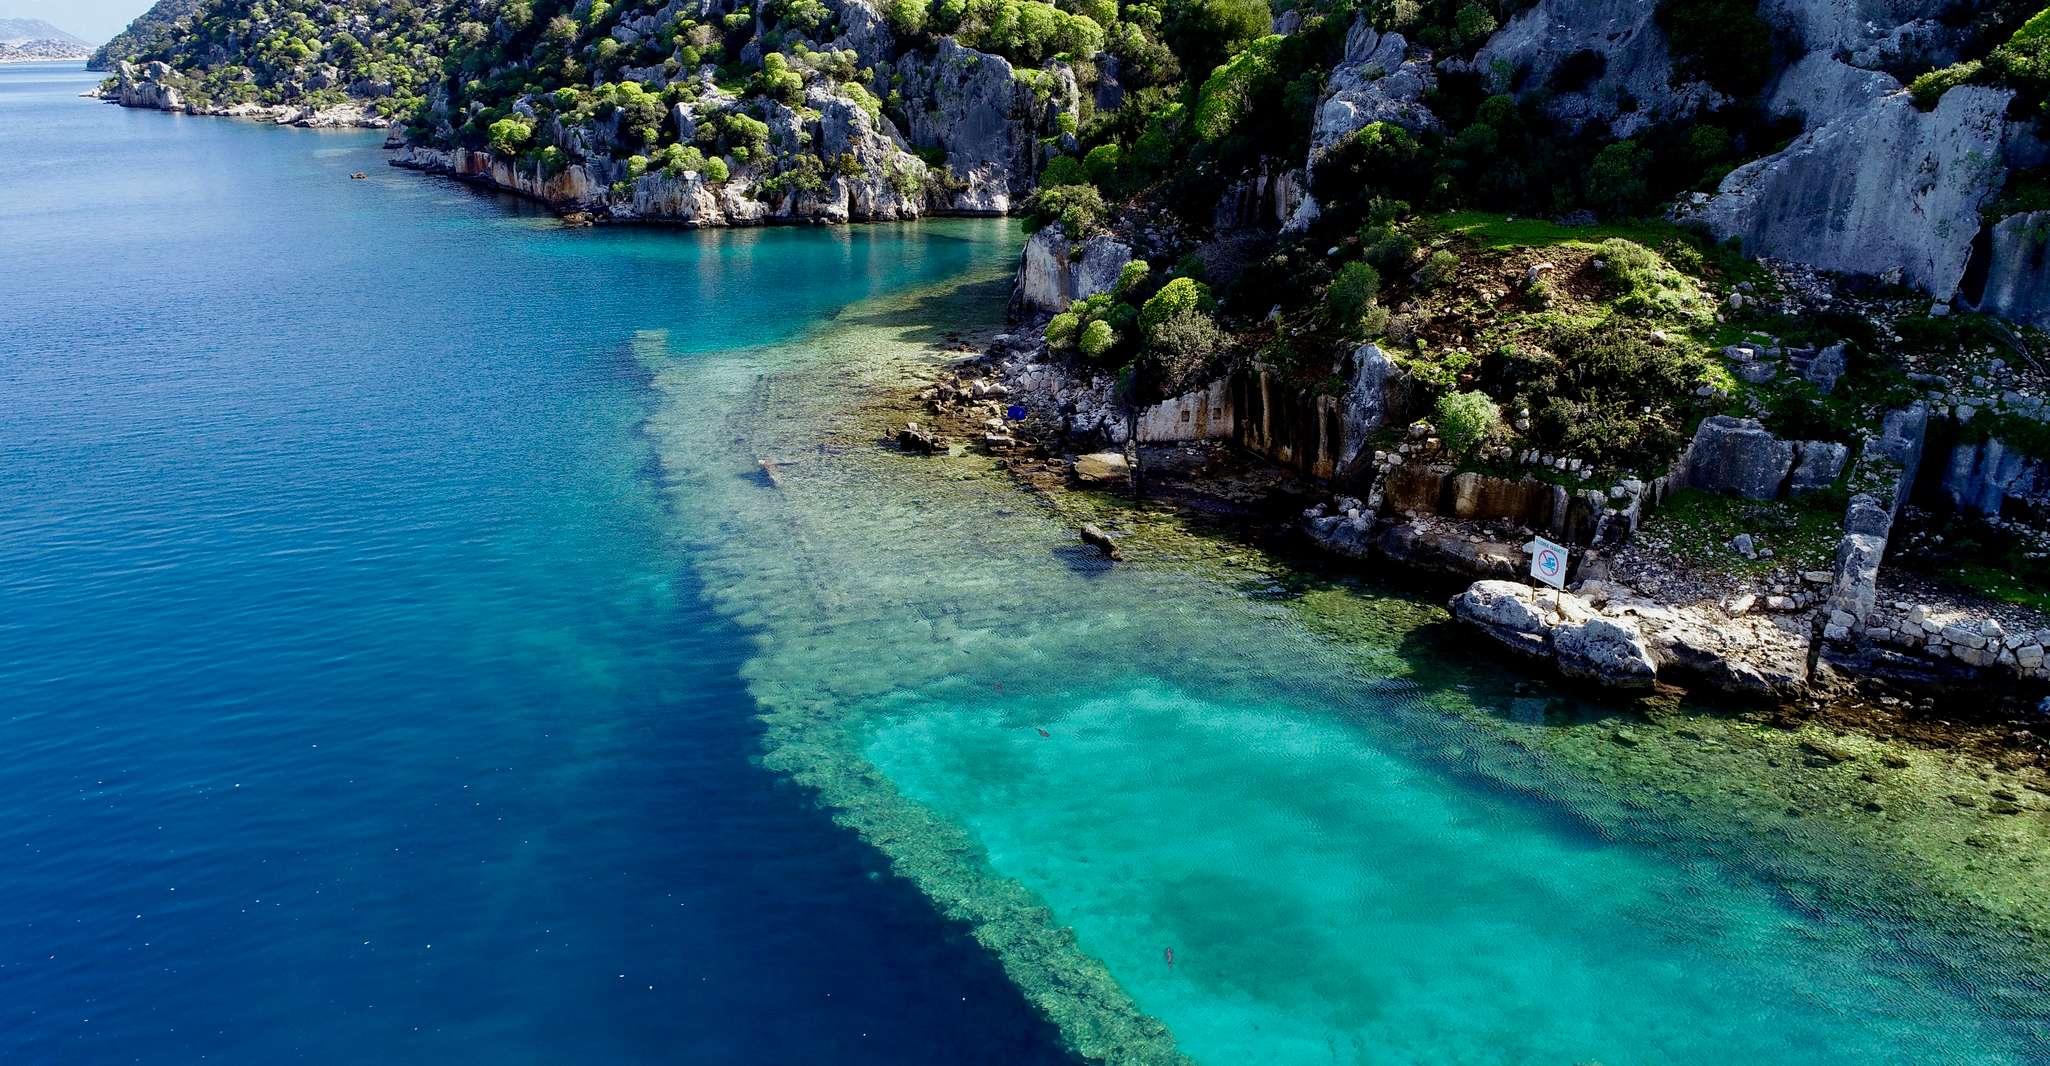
(1547, 562)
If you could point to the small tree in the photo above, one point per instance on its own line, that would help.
(1465, 419)
(509, 135)
(1352, 294)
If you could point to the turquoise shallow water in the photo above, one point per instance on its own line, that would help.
(389, 583)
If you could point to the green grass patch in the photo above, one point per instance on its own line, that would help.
(1497, 231)
(1698, 526)
(1999, 584)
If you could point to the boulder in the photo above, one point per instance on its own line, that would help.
(1884, 187)
(1095, 537)
(1817, 465)
(1508, 612)
(1103, 468)
(1051, 275)
(1737, 455)
(2017, 282)
(1605, 651)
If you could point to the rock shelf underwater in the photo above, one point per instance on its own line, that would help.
(1361, 840)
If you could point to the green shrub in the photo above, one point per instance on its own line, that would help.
(1061, 329)
(509, 135)
(1097, 339)
(1102, 163)
(778, 82)
(1180, 350)
(1615, 179)
(1228, 94)
(1644, 284)
(1063, 170)
(1078, 208)
(1130, 277)
(1390, 251)
(1204, 33)
(1928, 88)
(1607, 394)
(1438, 270)
(1722, 42)
(907, 17)
(1175, 297)
(1351, 295)
(1473, 23)
(1465, 420)
(716, 171)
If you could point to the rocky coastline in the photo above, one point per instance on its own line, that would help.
(1822, 627)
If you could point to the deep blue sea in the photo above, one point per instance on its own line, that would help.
(355, 703)
(406, 656)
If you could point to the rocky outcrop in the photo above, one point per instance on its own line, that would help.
(1885, 187)
(1558, 627)
(579, 186)
(1982, 476)
(1822, 88)
(1322, 435)
(971, 106)
(1596, 62)
(154, 86)
(1905, 34)
(1632, 643)
(1054, 271)
(1737, 456)
(147, 86)
(1378, 80)
(2017, 282)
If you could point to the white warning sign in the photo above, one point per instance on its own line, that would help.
(1547, 562)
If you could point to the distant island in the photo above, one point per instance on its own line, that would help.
(32, 40)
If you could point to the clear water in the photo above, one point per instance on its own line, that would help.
(382, 568)
(358, 704)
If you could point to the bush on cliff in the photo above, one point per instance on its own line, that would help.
(1465, 420)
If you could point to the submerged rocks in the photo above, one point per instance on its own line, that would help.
(1095, 537)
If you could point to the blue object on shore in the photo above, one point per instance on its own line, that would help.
(1017, 412)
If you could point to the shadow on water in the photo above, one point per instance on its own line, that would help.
(927, 319)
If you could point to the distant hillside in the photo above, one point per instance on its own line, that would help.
(28, 39)
(21, 31)
(151, 30)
